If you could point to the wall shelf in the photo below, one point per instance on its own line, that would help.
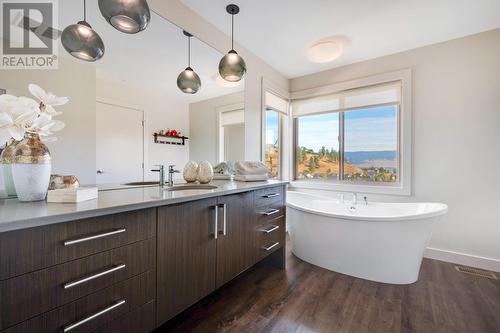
(170, 140)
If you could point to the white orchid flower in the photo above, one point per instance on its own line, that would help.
(47, 99)
(23, 105)
(15, 128)
(44, 125)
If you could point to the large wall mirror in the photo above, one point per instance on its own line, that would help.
(117, 103)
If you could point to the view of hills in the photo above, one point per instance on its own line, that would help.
(376, 166)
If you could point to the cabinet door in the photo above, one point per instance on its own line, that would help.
(237, 249)
(186, 256)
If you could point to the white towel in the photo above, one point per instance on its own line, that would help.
(251, 178)
(250, 168)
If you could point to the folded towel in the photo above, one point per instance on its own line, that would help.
(250, 168)
(224, 168)
(251, 178)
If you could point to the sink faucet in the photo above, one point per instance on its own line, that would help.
(161, 170)
(171, 172)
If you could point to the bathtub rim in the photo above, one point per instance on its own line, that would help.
(414, 217)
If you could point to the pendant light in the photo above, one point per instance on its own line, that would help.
(188, 81)
(81, 41)
(128, 16)
(232, 67)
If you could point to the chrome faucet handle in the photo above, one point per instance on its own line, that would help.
(161, 166)
(171, 169)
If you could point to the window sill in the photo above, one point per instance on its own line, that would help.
(336, 187)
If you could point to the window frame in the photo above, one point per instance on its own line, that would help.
(280, 140)
(404, 153)
(284, 128)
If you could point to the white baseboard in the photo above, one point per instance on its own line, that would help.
(489, 264)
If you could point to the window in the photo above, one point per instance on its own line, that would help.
(231, 140)
(351, 137)
(272, 143)
(275, 111)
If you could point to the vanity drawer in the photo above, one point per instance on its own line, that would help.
(31, 294)
(264, 214)
(36, 248)
(272, 236)
(269, 196)
(141, 320)
(89, 313)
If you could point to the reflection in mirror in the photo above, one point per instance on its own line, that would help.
(117, 103)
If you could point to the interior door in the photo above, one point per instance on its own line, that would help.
(236, 244)
(120, 144)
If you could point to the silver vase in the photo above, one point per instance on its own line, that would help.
(31, 168)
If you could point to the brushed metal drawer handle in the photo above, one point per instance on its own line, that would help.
(271, 195)
(95, 315)
(271, 212)
(95, 276)
(86, 239)
(269, 248)
(270, 229)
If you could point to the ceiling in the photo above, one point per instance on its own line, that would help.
(280, 31)
(152, 59)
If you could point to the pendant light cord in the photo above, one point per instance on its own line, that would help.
(85, 10)
(189, 51)
(232, 31)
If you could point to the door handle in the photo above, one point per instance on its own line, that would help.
(224, 219)
(216, 221)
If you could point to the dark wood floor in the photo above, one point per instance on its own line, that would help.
(306, 298)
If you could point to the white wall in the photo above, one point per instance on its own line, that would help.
(74, 151)
(179, 14)
(160, 112)
(456, 123)
(203, 126)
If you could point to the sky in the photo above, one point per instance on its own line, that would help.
(372, 129)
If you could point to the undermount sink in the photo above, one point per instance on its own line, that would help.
(191, 187)
(141, 183)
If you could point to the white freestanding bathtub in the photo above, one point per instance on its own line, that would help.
(382, 242)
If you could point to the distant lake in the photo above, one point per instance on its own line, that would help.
(359, 157)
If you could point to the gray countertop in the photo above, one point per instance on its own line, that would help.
(15, 215)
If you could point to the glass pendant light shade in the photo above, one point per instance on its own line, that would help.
(232, 67)
(188, 81)
(81, 41)
(128, 16)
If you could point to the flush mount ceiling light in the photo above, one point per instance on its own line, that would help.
(188, 81)
(325, 51)
(81, 41)
(128, 16)
(232, 67)
(223, 83)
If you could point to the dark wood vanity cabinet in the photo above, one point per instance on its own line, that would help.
(133, 271)
(77, 276)
(237, 247)
(186, 255)
(204, 244)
